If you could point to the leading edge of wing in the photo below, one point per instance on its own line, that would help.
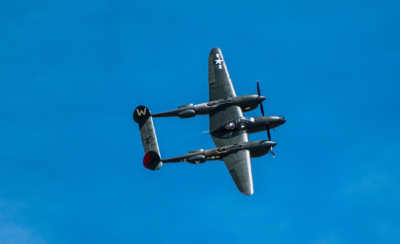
(239, 167)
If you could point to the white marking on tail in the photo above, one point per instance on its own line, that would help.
(141, 112)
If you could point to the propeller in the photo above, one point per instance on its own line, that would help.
(271, 150)
(259, 94)
(262, 111)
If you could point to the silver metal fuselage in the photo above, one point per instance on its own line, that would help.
(250, 125)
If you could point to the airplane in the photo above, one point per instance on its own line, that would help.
(229, 128)
(217, 101)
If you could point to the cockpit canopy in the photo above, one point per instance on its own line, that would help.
(230, 125)
(240, 123)
(197, 151)
(189, 105)
(247, 119)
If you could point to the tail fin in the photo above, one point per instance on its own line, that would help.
(142, 116)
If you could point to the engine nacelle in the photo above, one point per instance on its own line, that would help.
(259, 151)
(187, 113)
(196, 159)
(152, 161)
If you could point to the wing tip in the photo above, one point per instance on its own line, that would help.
(244, 182)
(215, 50)
(247, 189)
(248, 192)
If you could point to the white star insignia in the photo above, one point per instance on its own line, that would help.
(218, 61)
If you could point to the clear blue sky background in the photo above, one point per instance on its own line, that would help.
(71, 73)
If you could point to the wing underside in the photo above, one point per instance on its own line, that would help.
(220, 86)
(239, 167)
(219, 81)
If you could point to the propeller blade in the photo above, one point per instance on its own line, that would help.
(259, 94)
(262, 109)
(272, 152)
(269, 134)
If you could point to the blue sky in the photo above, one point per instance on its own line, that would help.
(70, 159)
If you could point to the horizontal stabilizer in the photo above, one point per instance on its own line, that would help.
(142, 116)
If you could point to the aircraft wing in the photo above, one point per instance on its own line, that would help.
(239, 167)
(220, 86)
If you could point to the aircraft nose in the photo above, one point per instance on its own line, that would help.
(261, 98)
(274, 121)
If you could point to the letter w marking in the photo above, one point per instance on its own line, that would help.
(141, 112)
